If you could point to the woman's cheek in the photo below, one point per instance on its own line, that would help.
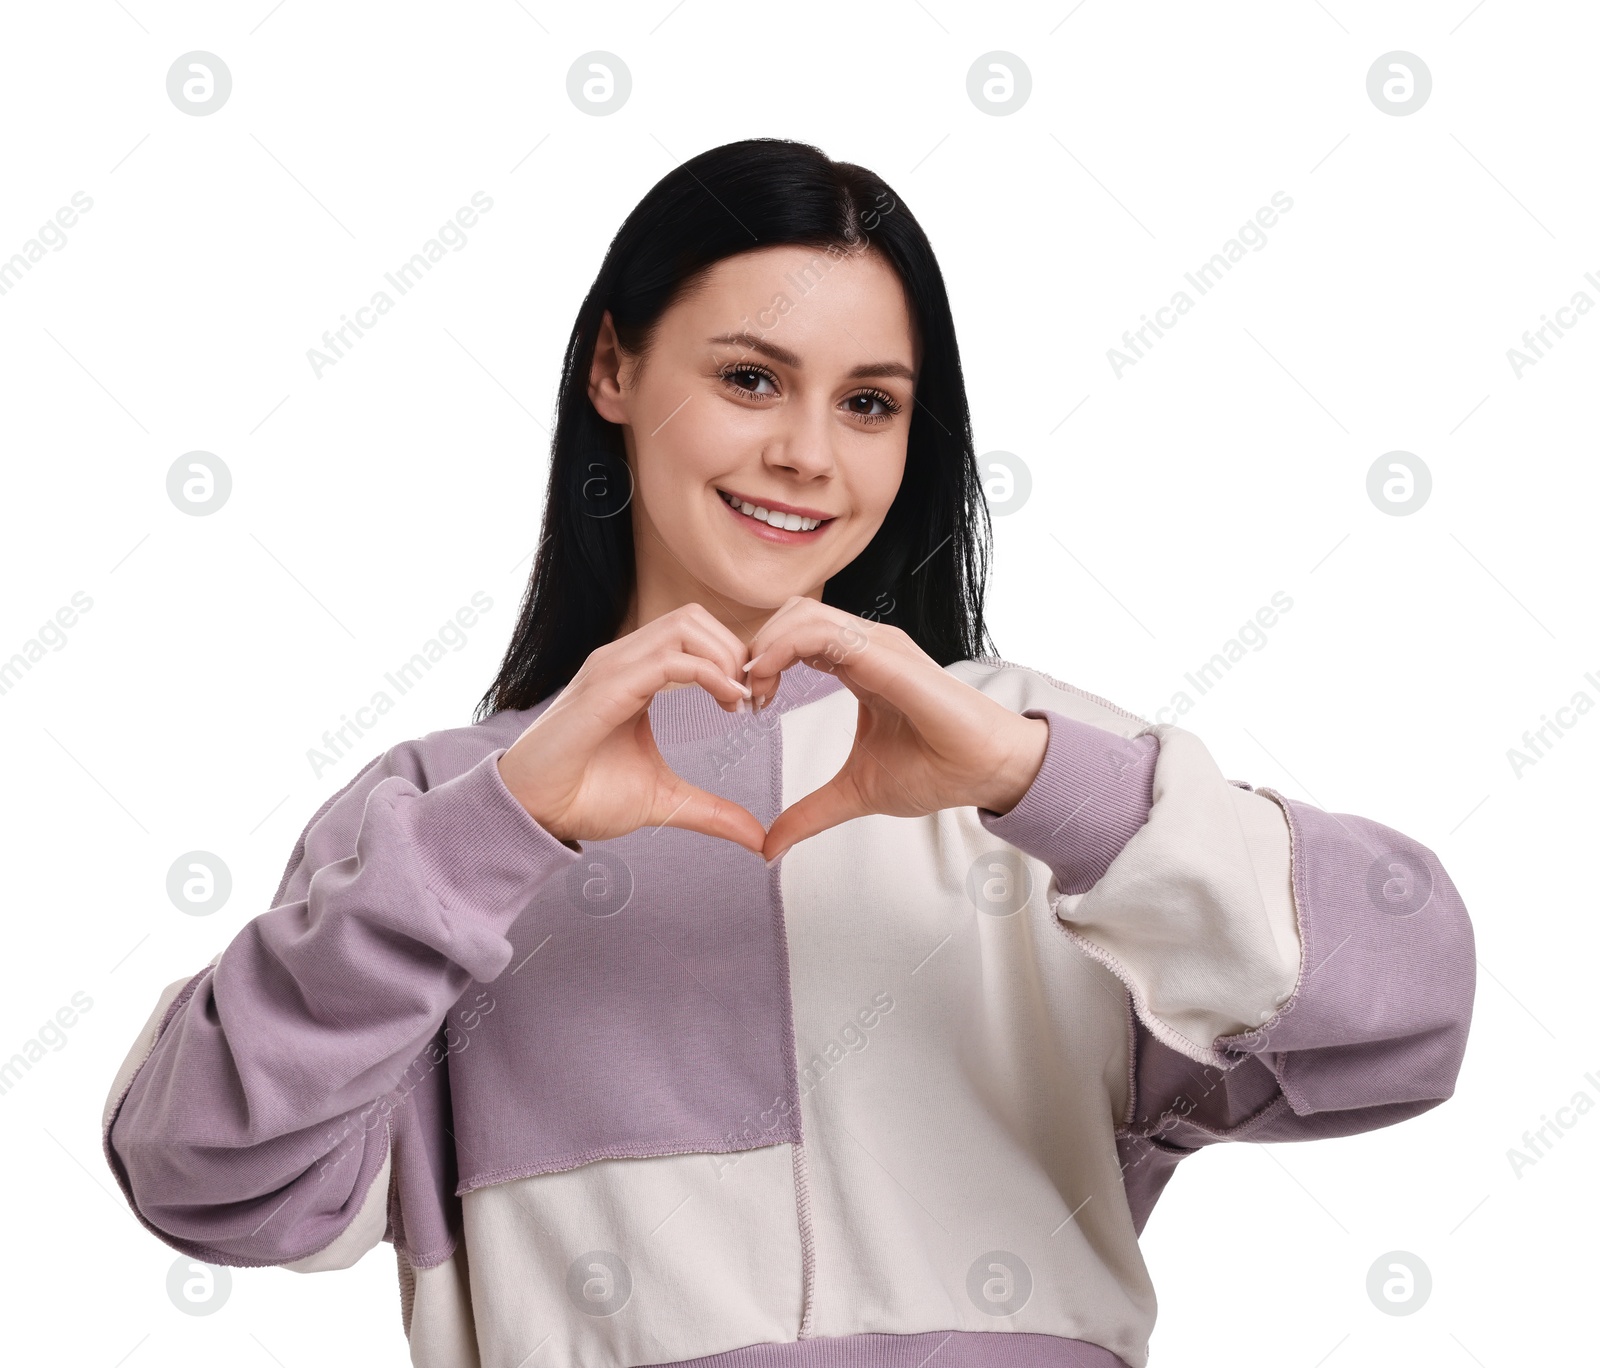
(708, 438)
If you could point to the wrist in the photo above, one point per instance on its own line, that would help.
(1014, 776)
(513, 785)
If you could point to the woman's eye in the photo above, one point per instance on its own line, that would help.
(872, 404)
(750, 379)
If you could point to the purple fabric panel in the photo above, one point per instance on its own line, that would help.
(647, 1009)
(251, 1133)
(1174, 1095)
(424, 1211)
(1373, 1035)
(942, 1348)
(1147, 1164)
(1381, 1012)
(1091, 794)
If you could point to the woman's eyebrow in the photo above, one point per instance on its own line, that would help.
(869, 369)
(782, 355)
(753, 343)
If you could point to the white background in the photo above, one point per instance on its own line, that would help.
(369, 504)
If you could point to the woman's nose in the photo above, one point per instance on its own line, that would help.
(805, 443)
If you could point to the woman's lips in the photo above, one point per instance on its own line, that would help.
(768, 532)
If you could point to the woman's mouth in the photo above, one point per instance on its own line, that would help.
(770, 523)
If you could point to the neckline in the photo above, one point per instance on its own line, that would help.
(689, 713)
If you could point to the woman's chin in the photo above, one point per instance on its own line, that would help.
(763, 600)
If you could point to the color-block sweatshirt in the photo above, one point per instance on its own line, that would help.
(912, 1090)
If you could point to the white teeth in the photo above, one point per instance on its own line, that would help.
(790, 522)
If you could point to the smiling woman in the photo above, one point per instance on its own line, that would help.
(760, 470)
(720, 800)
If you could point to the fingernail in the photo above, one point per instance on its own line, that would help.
(739, 684)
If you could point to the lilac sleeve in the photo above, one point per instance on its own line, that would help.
(246, 1135)
(1375, 1029)
(1093, 791)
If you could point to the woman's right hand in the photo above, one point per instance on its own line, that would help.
(587, 768)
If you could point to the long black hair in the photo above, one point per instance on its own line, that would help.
(925, 569)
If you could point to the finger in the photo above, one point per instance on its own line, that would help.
(835, 802)
(622, 692)
(861, 653)
(693, 629)
(682, 667)
(681, 804)
(801, 620)
(801, 606)
(697, 810)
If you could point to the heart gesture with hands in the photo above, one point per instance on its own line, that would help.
(587, 768)
(924, 740)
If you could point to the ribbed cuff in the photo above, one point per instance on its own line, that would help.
(477, 846)
(1091, 794)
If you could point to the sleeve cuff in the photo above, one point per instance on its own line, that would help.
(478, 847)
(1093, 791)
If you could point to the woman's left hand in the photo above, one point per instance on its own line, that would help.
(924, 740)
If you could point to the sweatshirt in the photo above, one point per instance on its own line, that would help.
(912, 1089)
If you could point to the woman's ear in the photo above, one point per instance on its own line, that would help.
(605, 374)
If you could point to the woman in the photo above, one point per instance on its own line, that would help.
(772, 974)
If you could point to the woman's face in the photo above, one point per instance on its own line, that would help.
(784, 380)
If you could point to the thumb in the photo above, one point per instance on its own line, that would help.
(678, 803)
(835, 802)
(693, 809)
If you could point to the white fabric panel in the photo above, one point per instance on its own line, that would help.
(975, 1114)
(1196, 914)
(712, 1251)
(441, 1332)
